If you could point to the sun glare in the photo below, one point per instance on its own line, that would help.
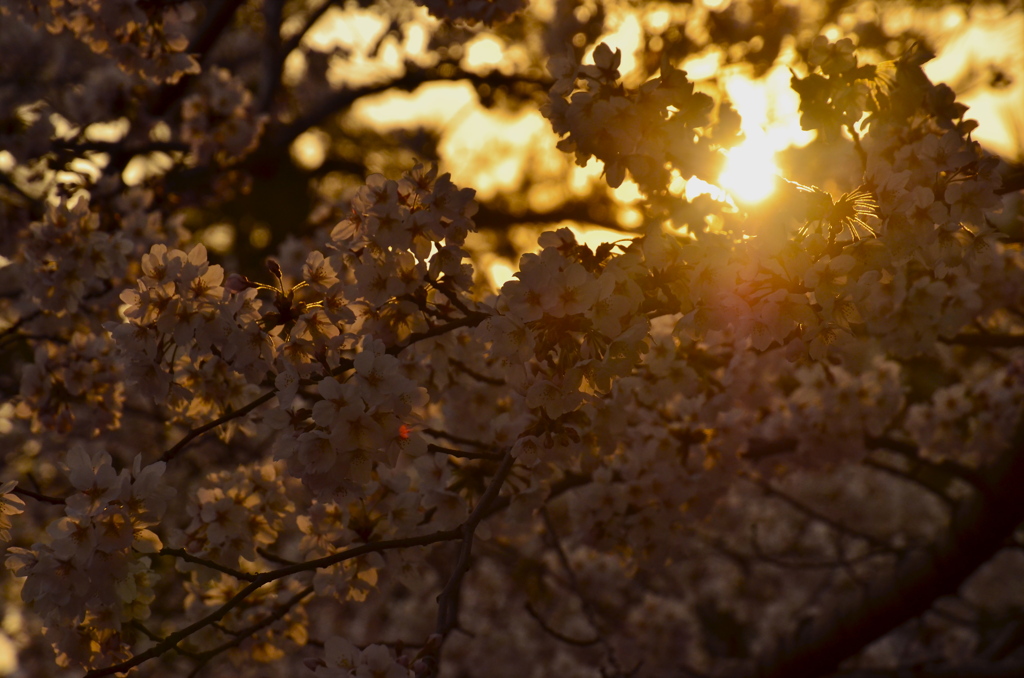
(750, 171)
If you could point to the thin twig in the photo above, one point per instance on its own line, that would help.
(38, 497)
(482, 378)
(234, 414)
(448, 600)
(438, 449)
(947, 467)
(980, 340)
(557, 635)
(914, 478)
(240, 636)
(574, 584)
(273, 557)
(262, 579)
(189, 558)
(469, 321)
(437, 433)
(773, 491)
(171, 453)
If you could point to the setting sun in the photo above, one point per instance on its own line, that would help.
(750, 171)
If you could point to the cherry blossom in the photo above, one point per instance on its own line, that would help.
(280, 410)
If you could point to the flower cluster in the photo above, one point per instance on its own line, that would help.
(178, 317)
(415, 226)
(574, 313)
(69, 262)
(932, 182)
(147, 38)
(837, 97)
(646, 131)
(69, 257)
(357, 423)
(219, 122)
(92, 577)
(10, 505)
(60, 287)
(396, 266)
(342, 659)
(74, 382)
(970, 420)
(234, 513)
(266, 635)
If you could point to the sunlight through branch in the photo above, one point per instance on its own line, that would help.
(750, 172)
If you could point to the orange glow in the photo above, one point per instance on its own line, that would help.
(750, 171)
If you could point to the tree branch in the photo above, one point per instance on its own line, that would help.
(556, 634)
(413, 78)
(470, 321)
(438, 449)
(971, 669)
(456, 439)
(189, 558)
(273, 56)
(979, 529)
(218, 19)
(281, 610)
(574, 584)
(38, 497)
(448, 600)
(984, 340)
(171, 641)
(814, 514)
(196, 432)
